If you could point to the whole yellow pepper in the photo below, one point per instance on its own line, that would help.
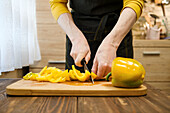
(126, 72)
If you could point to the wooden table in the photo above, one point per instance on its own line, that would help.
(155, 101)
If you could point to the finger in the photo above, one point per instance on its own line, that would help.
(101, 70)
(78, 60)
(94, 67)
(87, 58)
(73, 55)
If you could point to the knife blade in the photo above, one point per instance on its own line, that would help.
(83, 62)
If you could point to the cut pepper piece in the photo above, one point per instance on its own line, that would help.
(87, 74)
(80, 76)
(41, 78)
(65, 74)
(34, 76)
(27, 76)
(42, 71)
(93, 75)
(71, 75)
(60, 79)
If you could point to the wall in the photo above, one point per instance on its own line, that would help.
(51, 37)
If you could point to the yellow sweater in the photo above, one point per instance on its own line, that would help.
(59, 7)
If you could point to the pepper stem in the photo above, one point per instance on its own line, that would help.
(108, 75)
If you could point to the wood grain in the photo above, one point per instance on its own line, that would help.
(45, 17)
(154, 102)
(40, 105)
(160, 85)
(151, 43)
(50, 32)
(50, 36)
(43, 5)
(73, 88)
(157, 66)
(10, 104)
(12, 74)
(44, 61)
(5, 82)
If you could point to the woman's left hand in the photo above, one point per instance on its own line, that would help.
(106, 52)
(102, 63)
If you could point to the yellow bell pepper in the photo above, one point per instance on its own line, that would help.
(71, 75)
(127, 72)
(42, 71)
(65, 75)
(80, 76)
(27, 76)
(60, 79)
(34, 76)
(53, 74)
(93, 75)
(41, 78)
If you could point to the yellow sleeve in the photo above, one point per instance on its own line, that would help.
(58, 7)
(136, 5)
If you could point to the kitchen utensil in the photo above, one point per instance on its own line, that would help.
(83, 62)
(72, 88)
(155, 17)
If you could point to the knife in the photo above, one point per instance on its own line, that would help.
(83, 62)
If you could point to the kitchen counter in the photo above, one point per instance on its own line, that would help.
(155, 101)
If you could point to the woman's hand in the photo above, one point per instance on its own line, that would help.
(107, 50)
(102, 63)
(80, 49)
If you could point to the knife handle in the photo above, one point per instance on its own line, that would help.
(83, 61)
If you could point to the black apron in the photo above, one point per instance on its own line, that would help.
(96, 18)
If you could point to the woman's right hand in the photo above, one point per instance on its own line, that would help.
(80, 47)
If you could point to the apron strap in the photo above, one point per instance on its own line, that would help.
(102, 21)
(102, 24)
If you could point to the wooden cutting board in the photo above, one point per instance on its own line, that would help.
(73, 88)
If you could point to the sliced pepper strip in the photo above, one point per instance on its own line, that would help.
(65, 74)
(34, 76)
(27, 76)
(93, 75)
(60, 79)
(87, 74)
(80, 76)
(71, 75)
(54, 74)
(42, 71)
(41, 78)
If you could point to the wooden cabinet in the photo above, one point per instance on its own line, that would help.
(155, 57)
(155, 62)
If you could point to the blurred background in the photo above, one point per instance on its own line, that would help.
(151, 35)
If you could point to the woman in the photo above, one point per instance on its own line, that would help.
(97, 30)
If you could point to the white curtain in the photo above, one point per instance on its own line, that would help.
(18, 34)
